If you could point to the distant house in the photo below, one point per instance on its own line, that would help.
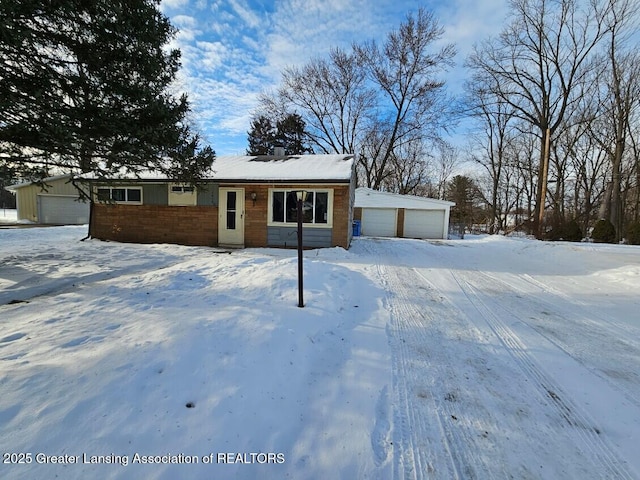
(245, 201)
(392, 215)
(55, 201)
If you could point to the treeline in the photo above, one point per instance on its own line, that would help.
(553, 97)
(556, 97)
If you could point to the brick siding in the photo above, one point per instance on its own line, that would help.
(155, 224)
(341, 216)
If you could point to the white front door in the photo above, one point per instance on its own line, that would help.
(231, 217)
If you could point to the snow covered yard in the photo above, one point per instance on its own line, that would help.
(480, 358)
(8, 216)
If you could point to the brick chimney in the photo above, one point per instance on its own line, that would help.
(278, 151)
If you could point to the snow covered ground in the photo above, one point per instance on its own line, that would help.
(480, 358)
(8, 215)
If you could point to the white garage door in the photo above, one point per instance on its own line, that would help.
(379, 222)
(62, 210)
(423, 223)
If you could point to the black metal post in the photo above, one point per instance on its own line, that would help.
(300, 299)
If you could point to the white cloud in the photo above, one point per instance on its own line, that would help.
(468, 21)
(211, 54)
(303, 29)
(173, 4)
(245, 12)
(184, 21)
(187, 29)
(232, 52)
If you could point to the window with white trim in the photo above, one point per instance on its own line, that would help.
(131, 195)
(182, 189)
(183, 195)
(316, 207)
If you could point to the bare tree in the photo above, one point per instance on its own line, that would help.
(405, 69)
(445, 160)
(408, 169)
(331, 95)
(537, 63)
(371, 168)
(383, 102)
(634, 140)
(524, 152)
(494, 116)
(619, 101)
(590, 164)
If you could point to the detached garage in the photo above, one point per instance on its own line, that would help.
(58, 203)
(391, 215)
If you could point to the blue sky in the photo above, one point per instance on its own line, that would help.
(232, 50)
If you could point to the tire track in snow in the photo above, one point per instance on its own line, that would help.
(584, 427)
(413, 457)
(594, 320)
(431, 439)
(416, 455)
(584, 334)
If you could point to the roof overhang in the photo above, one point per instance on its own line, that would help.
(13, 188)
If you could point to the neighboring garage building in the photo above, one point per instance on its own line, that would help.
(55, 201)
(391, 215)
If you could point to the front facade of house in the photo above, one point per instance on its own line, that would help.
(244, 202)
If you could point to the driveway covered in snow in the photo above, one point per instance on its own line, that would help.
(512, 359)
(480, 358)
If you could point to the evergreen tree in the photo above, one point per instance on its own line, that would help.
(463, 191)
(7, 177)
(84, 85)
(289, 132)
(261, 137)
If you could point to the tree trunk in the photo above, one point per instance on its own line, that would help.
(543, 174)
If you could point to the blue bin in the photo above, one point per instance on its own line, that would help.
(356, 228)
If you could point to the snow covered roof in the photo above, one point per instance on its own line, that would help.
(269, 168)
(13, 188)
(287, 168)
(368, 198)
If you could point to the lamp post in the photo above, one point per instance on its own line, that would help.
(300, 195)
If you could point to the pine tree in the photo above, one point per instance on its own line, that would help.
(85, 85)
(292, 136)
(261, 136)
(463, 191)
(288, 132)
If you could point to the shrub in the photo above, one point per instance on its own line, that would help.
(633, 233)
(572, 232)
(554, 234)
(604, 232)
(569, 231)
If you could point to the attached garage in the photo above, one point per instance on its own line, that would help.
(385, 214)
(55, 201)
(62, 210)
